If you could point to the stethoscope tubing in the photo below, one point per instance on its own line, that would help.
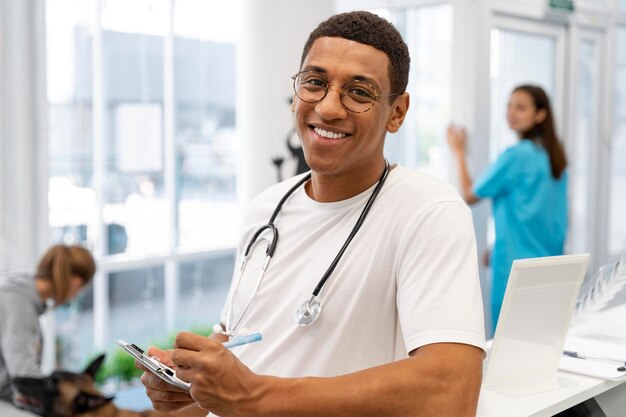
(270, 224)
(354, 231)
(230, 326)
(271, 248)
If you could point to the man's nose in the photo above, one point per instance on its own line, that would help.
(331, 106)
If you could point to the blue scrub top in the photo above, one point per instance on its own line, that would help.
(529, 209)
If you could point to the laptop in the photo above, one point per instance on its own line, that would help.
(536, 313)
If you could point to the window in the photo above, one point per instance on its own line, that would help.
(143, 156)
(427, 31)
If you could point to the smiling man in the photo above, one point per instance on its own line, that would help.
(369, 303)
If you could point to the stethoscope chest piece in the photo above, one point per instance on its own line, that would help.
(308, 312)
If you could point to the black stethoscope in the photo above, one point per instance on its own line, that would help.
(310, 310)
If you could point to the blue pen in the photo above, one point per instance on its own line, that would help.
(243, 340)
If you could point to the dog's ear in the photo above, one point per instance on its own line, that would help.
(92, 368)
(85, 402)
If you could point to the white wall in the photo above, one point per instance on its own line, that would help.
(23, 183)
(274, 32)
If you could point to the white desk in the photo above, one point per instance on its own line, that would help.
(573, 388)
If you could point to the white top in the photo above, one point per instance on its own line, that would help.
(409, 278)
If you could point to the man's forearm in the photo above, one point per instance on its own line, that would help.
(440, 380)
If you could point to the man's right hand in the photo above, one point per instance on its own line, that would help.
(165, 397)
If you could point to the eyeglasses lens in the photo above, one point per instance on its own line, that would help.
(356, 95)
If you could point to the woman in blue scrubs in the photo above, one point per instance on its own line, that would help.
(527, 184)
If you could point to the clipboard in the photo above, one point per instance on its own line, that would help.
(153, 364)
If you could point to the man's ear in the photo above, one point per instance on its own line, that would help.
(399, 108)
(293, 103)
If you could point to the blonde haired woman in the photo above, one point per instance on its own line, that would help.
(62, 272)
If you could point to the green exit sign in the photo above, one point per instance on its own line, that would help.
(562, 5)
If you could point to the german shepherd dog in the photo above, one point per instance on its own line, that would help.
(69, 394)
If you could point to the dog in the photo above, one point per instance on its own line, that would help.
(69, 394)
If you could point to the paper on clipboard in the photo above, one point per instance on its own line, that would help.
(593, 367)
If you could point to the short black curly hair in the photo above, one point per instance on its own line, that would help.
(369, 29)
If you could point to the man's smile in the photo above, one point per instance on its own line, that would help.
(329, 134)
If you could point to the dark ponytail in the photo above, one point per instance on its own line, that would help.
(544, 133)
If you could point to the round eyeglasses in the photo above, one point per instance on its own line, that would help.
(357, 96)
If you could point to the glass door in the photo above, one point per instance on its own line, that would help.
(522, 52)
(617, 175)
(585, 145)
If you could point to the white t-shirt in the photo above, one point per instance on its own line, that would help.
(409, 278)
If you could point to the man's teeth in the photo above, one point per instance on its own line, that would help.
(329, 135)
